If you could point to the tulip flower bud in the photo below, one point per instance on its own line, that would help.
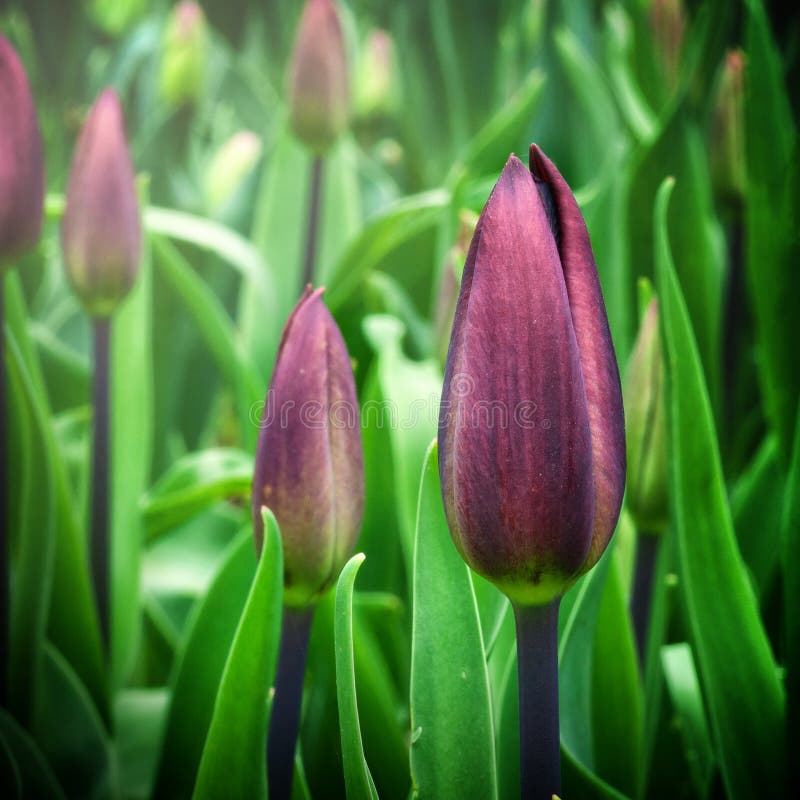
(183, 62)
(727, 147)
(646, 429)
(668, 22)
(101, 230)
(229, 167)
(531, 429)
(309, 464)
(319, 95)
(375, 87)
(21, 161)
(116, 16)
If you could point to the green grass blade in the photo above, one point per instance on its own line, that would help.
(357, 777)
(36, 779)
(233, 762)
(452, 740)
(737, 671)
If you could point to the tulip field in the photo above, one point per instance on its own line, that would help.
(399, 399)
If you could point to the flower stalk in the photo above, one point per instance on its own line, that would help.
(312, 228)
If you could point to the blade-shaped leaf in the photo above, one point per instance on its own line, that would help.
(733, 651)
(452, 740)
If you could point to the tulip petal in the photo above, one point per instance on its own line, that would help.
(596, 349)
(514, 429)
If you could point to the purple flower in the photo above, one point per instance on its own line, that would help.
(309, 465)
(21, 160)
(101, 231)
(531, 428)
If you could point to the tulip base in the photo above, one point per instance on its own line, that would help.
(312, 231)
(642, 594)
(537, 670)
(5, 544)
(99, 543)
(284, 723)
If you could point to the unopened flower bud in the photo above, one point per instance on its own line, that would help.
(229, 167)
(319, 93)
(184, 58)
(647, 498)
(309, 464)
(668, 22)
(375, 86)
(116, 16)
(101, 229)
(727, 146)
(531, 429)
(21, 160)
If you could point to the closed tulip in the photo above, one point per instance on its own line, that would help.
(101, 229)
(531, 430)
(21, 160)
(309, 464)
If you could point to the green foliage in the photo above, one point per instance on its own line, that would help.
(412, 676)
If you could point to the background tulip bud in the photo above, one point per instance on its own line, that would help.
(668, 22)
(101, 230)
(727, 146)
(531, 430)
(21, 161)
(646, 428)
(375, 86)
(319, 94)
(229, 167)
(116, 16)
(184, 58)
(309, 465)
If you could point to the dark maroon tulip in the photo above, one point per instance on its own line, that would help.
(309, 465)
(531, 429)
(21, 161)
(101, 231)
(319, 91)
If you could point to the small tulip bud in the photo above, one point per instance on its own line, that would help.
(531, 429)
(309, 464)
(229, 167)
(646, 429)
(319, 94)
(375, 87)
(101, 230)
(668, 22)
(21, 161)
(727, 147)
(114, 17)
(184, 59)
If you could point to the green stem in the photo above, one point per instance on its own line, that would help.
(642, 595)
(100, 478)
(284, 723)
(312, 230)
(537, 670)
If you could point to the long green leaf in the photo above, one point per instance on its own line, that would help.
(36, 779)
(198, 670)
(357, 777)
(233, 763)
(732, 648)
(452, 740)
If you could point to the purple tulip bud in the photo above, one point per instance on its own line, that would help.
(646, 429)
(309, 464)
(21, 161)
(531, 429)
(319, 92)
(101, 233)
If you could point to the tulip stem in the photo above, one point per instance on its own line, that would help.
(537, 671)
(642, 595)
(5, 544)
(312, 230)
(284, 723)
(100, 477)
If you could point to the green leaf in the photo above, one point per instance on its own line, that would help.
(193, 483)
(80, 752)
(198, 670)
(722, 610)
(131, 442)
(358, 779)
(36, 779)
(452, 739)
(617, 702)
(217, 330)
(233, 763)
(684, 690)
